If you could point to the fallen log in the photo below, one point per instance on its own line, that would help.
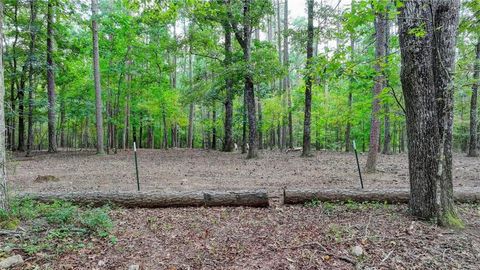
(254, 198)
(300, 196)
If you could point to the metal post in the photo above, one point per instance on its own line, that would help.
(358, 163)
(136, 164)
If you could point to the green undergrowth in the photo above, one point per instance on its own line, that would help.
(53, 228)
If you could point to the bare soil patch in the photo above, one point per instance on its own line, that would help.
(291, 237)
(180, 169)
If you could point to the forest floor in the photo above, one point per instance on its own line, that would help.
(319, 236)
(183, 169)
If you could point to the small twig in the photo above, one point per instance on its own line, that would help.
(386, 257)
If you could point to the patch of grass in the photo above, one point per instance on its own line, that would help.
(55, 227)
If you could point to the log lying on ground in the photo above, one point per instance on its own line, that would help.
(253, 198)
(300, 196)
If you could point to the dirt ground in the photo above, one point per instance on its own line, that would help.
(180, 169)
(288, 237)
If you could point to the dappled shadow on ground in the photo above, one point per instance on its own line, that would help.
(183, 169)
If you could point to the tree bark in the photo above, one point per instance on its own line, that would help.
(52, 138)
(286, 83)
(253, 198)
(348, 129)
(380, 40)
(228, 125)
(31, 84)
(244, 38)
(96, 76)
(308, 82)
(3, 160)
(387, 138)
(301, 196)
(428, 61)
(214, 127)
(473, 147)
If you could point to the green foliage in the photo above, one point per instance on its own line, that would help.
(56, 227)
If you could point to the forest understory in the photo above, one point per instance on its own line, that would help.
(313, 236)
(184, 170)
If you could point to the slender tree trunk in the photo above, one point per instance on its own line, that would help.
(31, 83)
(52, 139)
(386, 132)
(287, 77)
(380, 40)
(165, 131)
(308, 82)
(191, 114)
(14, 81)
(214, 127)
(260, 123)
(228, 125)
(348, 130)
(473, 147)
(96, 75)
(428, 64)
(3, 160)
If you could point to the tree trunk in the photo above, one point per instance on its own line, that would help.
(348, 130)
(52, 138)
(286, 82)
(308, 82)
(260, 123)
(244, 124)
(380, 41)
(228, 125)
(302, 196)
(253, 198)
(214, 127)
(473, 147)
(96, 75)
(3, 160)
(428, 62)
(386, 132)
(31, 84)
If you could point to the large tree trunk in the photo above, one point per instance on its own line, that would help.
(31, 84)
(244, 37)
(3, 160)
(427, 80)
(228, 125)
(308, 82)
(380, 41)
(52, 138)
(96, 76)
(473, 147)
(254, 198)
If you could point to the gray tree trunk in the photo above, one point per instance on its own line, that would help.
(473, 147)
(428, 61)
(3, 160)
(308, 82)
(96, 76)
(52, 138)
(380, 41)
